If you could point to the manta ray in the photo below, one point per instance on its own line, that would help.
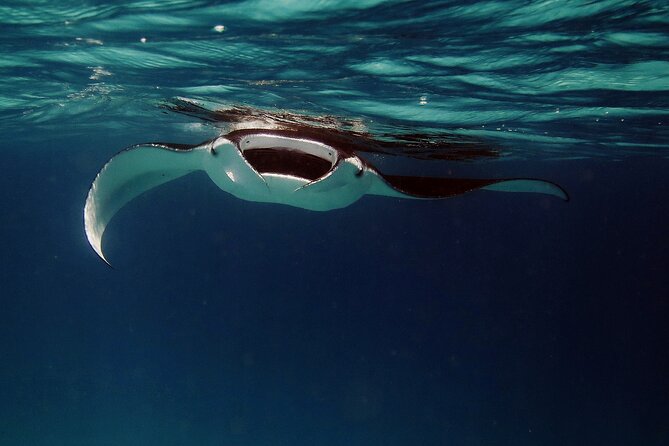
(281, 159)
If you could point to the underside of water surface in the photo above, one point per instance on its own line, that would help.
(545, 79)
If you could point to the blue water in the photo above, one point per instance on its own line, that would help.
(486, 319)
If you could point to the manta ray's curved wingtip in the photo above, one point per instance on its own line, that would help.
(93, 227)
(530, 185)
(559, 191)
(129, 174)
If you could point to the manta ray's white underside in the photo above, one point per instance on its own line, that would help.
(267, 167)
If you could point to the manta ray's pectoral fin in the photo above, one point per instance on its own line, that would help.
(433, 187)
(529, 185)
(128, 175)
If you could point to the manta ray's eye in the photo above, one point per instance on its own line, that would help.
(212, 149)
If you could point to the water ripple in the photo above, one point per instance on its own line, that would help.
(534, 70)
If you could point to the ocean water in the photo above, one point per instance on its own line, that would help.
(484, 319)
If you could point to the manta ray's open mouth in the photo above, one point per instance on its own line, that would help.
(286, 161)
(276, 154)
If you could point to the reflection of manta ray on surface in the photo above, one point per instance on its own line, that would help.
(289, 159)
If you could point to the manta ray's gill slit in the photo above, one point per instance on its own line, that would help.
(285, 161)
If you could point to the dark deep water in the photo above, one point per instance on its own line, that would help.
(486, 319)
